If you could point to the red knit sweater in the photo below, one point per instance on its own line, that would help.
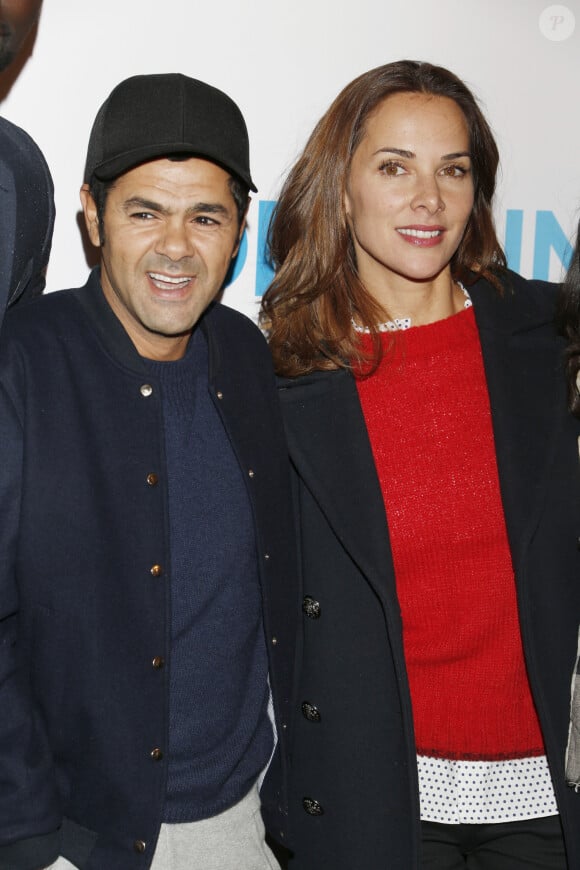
(429, 422)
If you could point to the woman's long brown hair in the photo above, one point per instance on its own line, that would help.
(308, 308)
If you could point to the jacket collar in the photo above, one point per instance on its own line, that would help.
(330, 449)
(113, 335)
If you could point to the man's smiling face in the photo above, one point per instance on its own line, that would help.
(171, 229)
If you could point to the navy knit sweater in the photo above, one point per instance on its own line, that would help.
(220, 733)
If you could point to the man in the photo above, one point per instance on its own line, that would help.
(146, 568)
(26, 216)
(26, 189)
(17, 18)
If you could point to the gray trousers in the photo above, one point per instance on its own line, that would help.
(232, 840)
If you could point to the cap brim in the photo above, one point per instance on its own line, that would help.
(121, 163)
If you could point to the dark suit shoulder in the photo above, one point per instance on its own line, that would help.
(521, 304)
(237, 332)
(229, 318)
(41, 316)
(541, 294)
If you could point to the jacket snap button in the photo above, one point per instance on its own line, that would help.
(152, 479)
(156, 755)
(139, 846)
(219, 394)
(310, 712)
(146, 390)
(311, 607)
(158, 662)
(312, 807)
(156, 570)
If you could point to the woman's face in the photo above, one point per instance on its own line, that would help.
(409, 192)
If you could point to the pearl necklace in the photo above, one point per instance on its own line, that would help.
(401, 323)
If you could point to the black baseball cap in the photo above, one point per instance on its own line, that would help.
(151, 116)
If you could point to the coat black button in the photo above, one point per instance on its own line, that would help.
(311, 607)
(310, 712)
(312, 807)
(139, 846)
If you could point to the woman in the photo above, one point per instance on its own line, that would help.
(437, 496)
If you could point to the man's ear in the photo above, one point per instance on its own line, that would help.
(91, 215)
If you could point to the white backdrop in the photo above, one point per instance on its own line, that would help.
(283, 62)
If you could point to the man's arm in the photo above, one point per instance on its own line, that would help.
(29, 812)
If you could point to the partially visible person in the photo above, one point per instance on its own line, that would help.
(26, 188)
(569, 323)
(437, 496)
(17, 18)
(26, 216)
(146, 544)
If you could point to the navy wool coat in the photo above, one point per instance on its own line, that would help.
(354, 801)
